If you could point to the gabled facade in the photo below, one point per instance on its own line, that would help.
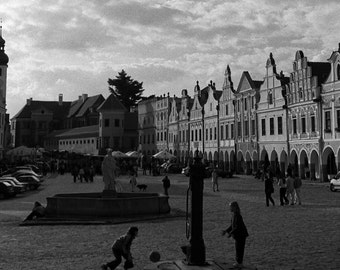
(304, 115)
(246, 100)
(196, 123)
(163, 106)
(227, 110)
(331, 117)
(183, 127)
(111, 124)
(272, 115)
(174, 126)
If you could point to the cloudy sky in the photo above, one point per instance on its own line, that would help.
(72, 47)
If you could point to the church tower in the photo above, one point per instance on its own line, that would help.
(3, 83)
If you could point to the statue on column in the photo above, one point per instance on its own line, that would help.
(109, 168)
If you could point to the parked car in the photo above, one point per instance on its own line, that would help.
(15, 181)
(334, 184)
(18, 187)
(174, 168)
(32, 181)
(7, 190)
(26, 172)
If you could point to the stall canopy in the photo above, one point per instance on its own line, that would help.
(164, 155)
(133, 154)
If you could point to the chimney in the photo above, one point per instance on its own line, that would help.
(29, 101)
(79, 97)
(60, 99)
(84, 97)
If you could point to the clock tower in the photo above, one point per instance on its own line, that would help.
(3, 83)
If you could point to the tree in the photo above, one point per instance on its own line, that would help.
(127, 90)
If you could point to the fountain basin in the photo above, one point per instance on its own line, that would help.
(95, 205)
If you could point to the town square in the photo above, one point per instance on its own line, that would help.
(281, 237)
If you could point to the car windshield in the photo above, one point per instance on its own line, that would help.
(337, 176)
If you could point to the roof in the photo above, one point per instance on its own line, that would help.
(112, 103)
(90, 102)
(81, 132)
(59, 111)
(74, 108)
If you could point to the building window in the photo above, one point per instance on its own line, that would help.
(338, 119)
(271, 126)
(106, 122)
(252, 102)
(117, 122)
(222, 133)
(192, 135)
(279, 125)
(226, 110)
(338, 71)
(196, 135)
(227, 131)
(245, 104)
(263, 126)
(211, 134)
(239, 129)
(328, 121)
(246, 128)
(206, 134)
(294, 126)
(253, 127)
(303, 124)
(200, 134)
(215, 134)
(210, 106)
(270, 97)
(300, 93)
(232, 134)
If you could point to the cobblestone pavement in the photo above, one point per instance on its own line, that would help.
(289, 237)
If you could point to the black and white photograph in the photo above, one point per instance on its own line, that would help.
(169, 134)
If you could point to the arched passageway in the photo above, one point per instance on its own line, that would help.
(249, 164)
(226, 162)
(314, 166)
(232, 161)
(255, 161)
(240, 166)
(304, 165)
(294, 163)
(328, 164)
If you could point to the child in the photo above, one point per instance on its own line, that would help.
(133, 181)
(121, 248)
(238, 231)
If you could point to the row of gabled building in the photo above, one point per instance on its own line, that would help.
(278, 120)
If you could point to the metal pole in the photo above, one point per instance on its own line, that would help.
(218, 132)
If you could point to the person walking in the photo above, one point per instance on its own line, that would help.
(166, 184)
(283, 189)
(269, 189)
(297, 188)
(290, 187)
(238, 231)
(214, 180)
(122, 248)
(133, 181)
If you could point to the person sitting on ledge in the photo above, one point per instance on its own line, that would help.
(38, 211)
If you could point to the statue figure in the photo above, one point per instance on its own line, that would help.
(109, 171)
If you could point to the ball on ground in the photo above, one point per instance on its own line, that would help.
(154, 256)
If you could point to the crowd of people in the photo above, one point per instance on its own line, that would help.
(289, 186)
